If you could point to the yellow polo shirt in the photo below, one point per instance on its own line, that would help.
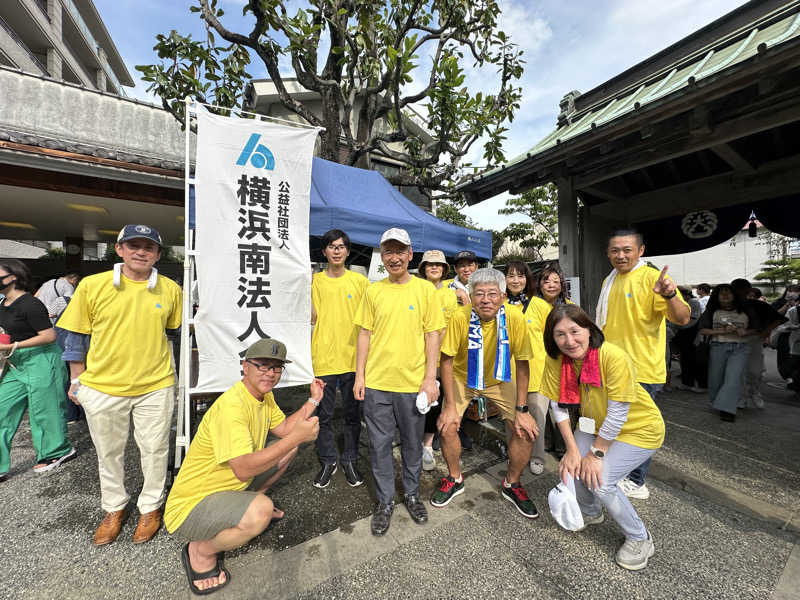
(535, 317)
(235, 425)
(456, 342)
(399, 316)
(636, 322)
(333, 340)
(129, 354)
(644, 427)
(448, 301)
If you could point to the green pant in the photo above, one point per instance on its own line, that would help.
(37, 383)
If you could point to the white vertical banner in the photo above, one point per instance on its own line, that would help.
(253, 266)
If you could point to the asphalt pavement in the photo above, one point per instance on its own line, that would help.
(723, 511)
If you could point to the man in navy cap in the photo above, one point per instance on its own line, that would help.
(126, 372)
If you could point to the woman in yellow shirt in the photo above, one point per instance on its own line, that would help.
(520, 284)
(434, 268)
(620, 426)
(550, 291)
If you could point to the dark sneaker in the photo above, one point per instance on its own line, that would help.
(448, 490)
(466, 441)
(381, 518)
(324, 476)
(517, 495)
(416, 509)
(354, 478)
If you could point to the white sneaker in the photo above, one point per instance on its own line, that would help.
(595, 520)
(631, 490)
(758, 400)
(536, 466)
(428, 461)
(698, 390)
(634, 554)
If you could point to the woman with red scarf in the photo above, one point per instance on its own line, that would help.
(620, 426)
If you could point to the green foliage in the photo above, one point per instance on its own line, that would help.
(539, 229)
(53, 253)
(450, 210)
(780, 270)
(506, 258)
(498, 238)
(386, 58)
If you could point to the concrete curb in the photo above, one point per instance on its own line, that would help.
(758, 509)
(764, 511)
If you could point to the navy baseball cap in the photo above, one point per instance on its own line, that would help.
(131, 232)
(466, 255)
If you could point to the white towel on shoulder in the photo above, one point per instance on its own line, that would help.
(601, 312)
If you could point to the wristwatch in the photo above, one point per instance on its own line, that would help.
(671, 296)
(314, 402)
(522, 409)
(597, 452)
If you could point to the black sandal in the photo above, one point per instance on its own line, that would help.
(193, 575)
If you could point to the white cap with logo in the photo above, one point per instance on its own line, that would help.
(397, 234)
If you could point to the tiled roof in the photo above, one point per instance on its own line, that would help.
(86, 122)
(723, 54)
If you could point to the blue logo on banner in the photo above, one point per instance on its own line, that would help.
(258, 154)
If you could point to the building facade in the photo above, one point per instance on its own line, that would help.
(65, 40)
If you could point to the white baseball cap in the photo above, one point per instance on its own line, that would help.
(564, 506)
(397, 234)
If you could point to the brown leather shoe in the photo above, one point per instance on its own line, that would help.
(148, 526)
(109, 528)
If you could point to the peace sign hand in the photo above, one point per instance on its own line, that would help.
(664, 286)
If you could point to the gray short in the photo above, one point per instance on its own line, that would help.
(221, 510)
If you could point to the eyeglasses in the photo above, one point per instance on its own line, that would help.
(489, 295)
(339, 247)
(266, 368)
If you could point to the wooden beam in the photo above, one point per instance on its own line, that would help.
(771, 180)
(106, 162)
(647, 178)
(777, 141)
(90, 186)
(600, 193)
(701, 156)
(731, 156)
(655, 151)
(568, 235)
(674, 171)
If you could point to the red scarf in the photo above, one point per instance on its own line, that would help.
(570, 393)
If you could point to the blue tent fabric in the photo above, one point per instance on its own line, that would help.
(364, 204)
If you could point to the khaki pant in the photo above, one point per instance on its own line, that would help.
(109, 418)
(503, 394)
(538, 406)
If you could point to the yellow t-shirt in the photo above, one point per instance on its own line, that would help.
(535, 317)
(399, 316)
(448, 300)
(235, 425)
(333, 341)
(644, 427)
(128, 353)
(636, 322)
(456, 344)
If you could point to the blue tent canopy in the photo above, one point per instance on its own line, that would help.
(364, 204)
